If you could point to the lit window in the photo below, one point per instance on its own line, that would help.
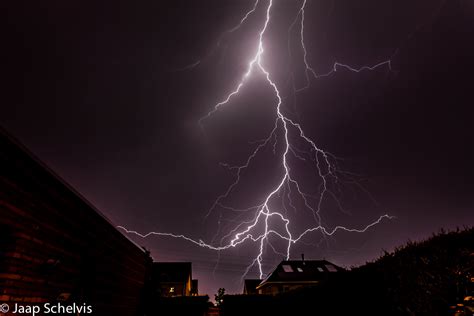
(287, 268)
(331, 268)
(320, 269)
(171, 289)
(299, 269)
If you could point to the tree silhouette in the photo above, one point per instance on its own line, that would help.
(219, 297)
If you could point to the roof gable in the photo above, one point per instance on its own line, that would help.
(250, 285)
(172, 271)
(302, 271)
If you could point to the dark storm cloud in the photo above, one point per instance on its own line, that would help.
(100, 93)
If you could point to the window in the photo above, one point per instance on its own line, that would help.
(287, 268)
(172, 290)
(331, 268)
(299, 269)
(320, 269)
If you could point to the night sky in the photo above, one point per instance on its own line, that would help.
(106, 95)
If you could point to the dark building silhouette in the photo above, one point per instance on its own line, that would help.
(296, 274)
(250, 286)
(55, 246)
(195, 287)
(171, 279)
(174, 292)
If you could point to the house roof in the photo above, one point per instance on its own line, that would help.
(172, 271)
(299, 271)
(251, 284)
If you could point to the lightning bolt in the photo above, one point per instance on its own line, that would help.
(218, 43)
(265, 218)
(309, 71)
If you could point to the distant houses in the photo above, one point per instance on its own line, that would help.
(173, 291)
(294, 287)
(292, 275)
(171, 279)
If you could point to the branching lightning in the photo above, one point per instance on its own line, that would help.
(266, 220)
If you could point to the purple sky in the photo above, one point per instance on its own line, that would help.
(99, 93)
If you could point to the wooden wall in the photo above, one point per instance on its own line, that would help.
(53, 242)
